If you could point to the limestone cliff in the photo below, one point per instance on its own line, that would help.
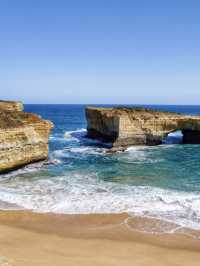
(11, 106)
(137, 126)
(23, 137)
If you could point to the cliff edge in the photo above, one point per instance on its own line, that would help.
(23, 136)
(11, 106)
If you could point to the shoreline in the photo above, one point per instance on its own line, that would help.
(90, 239)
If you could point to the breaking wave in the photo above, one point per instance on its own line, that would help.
(85, 193)
(68, 184)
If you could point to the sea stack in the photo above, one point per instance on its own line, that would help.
(23, 136)
(124, 127)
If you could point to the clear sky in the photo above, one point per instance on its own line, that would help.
(100, 51)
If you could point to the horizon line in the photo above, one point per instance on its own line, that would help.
(155, 104)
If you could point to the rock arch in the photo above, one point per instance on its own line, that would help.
(137, 126)
(175, 137)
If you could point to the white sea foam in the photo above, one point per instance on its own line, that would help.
(56, 138)
(75, 135)
(79, 135)
(71, 135)
(59, 154)
(34, 167)
(87, 150)
(85, 193)
(138, 154)
(76, 151)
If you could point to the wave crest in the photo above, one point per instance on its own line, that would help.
(85, 193)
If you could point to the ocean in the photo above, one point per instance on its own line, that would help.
(162, 182)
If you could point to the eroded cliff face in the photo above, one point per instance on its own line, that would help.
(11, 106)
(23, 137)
(137, 126)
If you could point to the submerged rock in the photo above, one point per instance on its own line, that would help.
(125, 127)
(23, 137)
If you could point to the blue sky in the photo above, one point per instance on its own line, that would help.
(100, 51)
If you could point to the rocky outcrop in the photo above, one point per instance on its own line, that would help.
(137, 126)
(11, 106)
(23, 137)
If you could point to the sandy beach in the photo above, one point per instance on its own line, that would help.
(99, 133)
(90, 240)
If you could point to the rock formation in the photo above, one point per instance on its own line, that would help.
(23, 136)
(138, 126)
(11, 106)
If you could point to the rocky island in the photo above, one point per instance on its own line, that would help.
(23, 136)
(123, 127)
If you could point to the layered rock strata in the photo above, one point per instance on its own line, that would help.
(137, 126)
(11, 106)
(23, 137)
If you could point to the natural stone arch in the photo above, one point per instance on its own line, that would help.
(190, 128)
(174, 137)
(137, 126)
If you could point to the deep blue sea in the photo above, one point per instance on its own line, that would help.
(161, 181)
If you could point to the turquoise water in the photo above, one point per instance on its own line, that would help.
(161, 181)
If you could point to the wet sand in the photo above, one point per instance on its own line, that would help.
(28, 238)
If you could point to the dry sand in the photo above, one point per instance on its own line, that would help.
(28, 239)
